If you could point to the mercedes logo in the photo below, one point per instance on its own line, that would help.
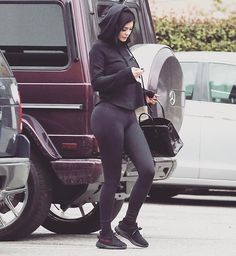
(172, 98)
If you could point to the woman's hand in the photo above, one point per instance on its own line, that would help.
(137, 72)
(152, 100)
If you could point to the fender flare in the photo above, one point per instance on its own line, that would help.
(34, 131)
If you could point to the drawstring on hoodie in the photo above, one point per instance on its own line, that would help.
(142, 82)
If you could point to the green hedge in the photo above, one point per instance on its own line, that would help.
(197, 35)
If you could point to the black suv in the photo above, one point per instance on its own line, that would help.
(14, 151)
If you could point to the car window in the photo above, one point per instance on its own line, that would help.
(189, 77)
(136, 36)
(34, 34)
(222, 83)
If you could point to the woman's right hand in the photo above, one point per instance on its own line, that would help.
(137, 72)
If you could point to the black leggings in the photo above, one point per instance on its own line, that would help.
(117, 131)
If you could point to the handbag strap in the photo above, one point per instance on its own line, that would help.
(144, 114)
(144, 94)
(162, 109)
(142, 83)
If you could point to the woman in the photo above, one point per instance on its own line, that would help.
(115, 75)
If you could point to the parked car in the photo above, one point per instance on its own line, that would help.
(208, 158)
(14, 152)
(49, 58)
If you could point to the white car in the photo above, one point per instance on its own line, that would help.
(208, 158)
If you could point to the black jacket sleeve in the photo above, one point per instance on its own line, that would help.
(102, 82)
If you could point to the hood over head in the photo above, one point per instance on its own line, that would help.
(113, 22)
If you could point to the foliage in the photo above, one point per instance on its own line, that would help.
(210, 34)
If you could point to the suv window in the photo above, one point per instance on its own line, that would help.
(189, 79)
(222, 83)
(34, 34)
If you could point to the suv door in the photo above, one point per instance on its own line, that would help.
(218, 138)
(188, 157)
(43, 56)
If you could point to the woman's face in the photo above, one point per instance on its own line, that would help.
(126, 31)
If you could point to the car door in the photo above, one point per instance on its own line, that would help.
(218, 139)
(188, 157)
(44, 56)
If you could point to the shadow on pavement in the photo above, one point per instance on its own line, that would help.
(51, 236)
(197, 200)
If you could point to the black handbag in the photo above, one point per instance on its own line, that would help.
(161, 135)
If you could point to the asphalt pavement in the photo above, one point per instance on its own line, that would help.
(184, 226)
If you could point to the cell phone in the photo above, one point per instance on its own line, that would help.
(150, 94)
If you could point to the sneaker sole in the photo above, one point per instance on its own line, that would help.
(125, 235)
(105, 246)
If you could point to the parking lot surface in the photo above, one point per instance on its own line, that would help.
(185, 225)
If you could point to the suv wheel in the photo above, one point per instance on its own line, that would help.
(23, 210)
(81, 220)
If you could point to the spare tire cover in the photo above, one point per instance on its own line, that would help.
(163, 75)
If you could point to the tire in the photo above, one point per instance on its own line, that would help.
(31, 205)
(162, 194)
(58, 222)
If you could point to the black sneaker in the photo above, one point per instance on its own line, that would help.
(131, 233)
(110, 242)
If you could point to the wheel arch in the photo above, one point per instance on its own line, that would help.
(38, 137)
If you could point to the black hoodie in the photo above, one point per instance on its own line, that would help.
(115, 19)
(111, 62)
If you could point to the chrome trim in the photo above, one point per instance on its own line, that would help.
(54, 83)
(68, 135)
(52, 106)
(172, 97)
(16, 172)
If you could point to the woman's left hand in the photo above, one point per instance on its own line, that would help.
(152, 100)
